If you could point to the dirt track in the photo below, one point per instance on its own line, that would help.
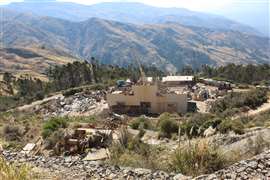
(263, 108)
(33, 104)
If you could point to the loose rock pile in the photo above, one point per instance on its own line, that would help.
(257, 167)
(78, 103)
(74, 168)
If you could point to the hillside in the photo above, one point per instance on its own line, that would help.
(169, 46)
(128, 13)
(33, 61)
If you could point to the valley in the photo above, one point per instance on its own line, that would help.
(131, 91)
(168, 46)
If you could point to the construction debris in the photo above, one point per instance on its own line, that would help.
(97, 154)
(81, 139)
(78, 104)
(28, 148)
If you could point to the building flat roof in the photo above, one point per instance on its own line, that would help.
(177, 78)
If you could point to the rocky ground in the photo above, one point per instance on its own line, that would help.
(257, 167)
(74, 168)
(67, 168)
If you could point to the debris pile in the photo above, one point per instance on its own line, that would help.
(83, 140)
(257, 167)
(75, 168)
(78, 104)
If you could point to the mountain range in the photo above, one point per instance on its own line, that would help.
(137, 13)
(169, 45)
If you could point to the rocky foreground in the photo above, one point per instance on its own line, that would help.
(257, 167)
(67, 168)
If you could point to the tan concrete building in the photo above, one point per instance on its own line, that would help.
(147, 99)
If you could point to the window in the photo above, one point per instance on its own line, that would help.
(145, 104)
(120, 103)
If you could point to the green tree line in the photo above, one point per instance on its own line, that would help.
(247, 74)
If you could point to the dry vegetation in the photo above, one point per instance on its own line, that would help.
(13, 172)
(34, 66)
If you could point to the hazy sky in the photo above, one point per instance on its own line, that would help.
(198, 5)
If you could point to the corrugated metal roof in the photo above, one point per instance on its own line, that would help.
(177, 78)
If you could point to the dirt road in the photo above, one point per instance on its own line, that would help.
(263, 108)
(33, 104)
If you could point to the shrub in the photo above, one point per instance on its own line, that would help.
(53, 124)
(7, 102)
(168, 127)
(12, 172)
(257, 145)
(12, 133)
(231, 125)
(39, 95)
(195, 125)
(83, 119)
(164, 116)
(262, 119)
(134, 153)
(140, 122)
(137, 146)
(56, 137)
(97, 87)
(141, 133)
(72, 91)
(124, 137)
(251, 99)
(198, 158)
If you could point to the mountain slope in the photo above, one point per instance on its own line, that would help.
(33, 61)
(169, 46)
(129, 13)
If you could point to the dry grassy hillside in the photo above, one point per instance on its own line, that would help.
(33, 61)
(168, 46)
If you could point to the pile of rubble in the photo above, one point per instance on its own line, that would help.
(82, 139)
(80, 103)
(75, 168)
(257, 167)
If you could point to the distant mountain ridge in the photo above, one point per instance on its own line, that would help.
(136, 13)
(168, 46)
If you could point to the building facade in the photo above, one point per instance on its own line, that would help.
(147, 99)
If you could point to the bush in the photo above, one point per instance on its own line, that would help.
(133, 152)
(39, 95)
(54, 124)
(12, 133)
(72, 91)
(8, 102)
(231, 125)
(251, 99)
(257, 145)
(168, 127)
(83, 119)
(261, 120)
(97, 87)
(140, 122)
(12, 172)
(198, 158)
(195, 125)
(53, 139)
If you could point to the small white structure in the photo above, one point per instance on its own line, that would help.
(28, 148)
(178, 80)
